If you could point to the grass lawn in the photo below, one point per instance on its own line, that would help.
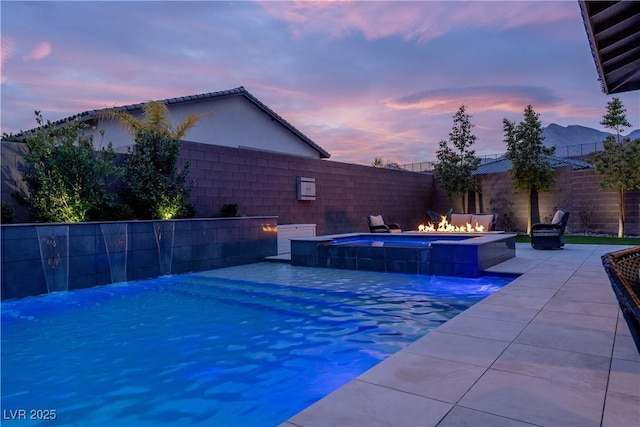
(592, 240)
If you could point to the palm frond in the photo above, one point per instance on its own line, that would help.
(130, 123)
(186, 125)
(156, 115)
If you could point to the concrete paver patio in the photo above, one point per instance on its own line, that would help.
(549, 349)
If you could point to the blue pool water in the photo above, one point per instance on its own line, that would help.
(242, 346)
(391, 240)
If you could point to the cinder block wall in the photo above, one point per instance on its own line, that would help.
(264, 183)
(577, 191)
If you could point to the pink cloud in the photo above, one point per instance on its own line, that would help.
(40, 51)
(8, 45)
(481, 98)
(420, 21)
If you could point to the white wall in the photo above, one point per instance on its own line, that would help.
(231, 121)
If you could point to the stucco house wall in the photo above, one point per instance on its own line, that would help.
(231, 121)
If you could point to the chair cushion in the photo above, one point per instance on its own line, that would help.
(557, 217)
(460, 220)
(376, 220)
(483, 220)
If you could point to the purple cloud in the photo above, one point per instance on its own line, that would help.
(362, 79)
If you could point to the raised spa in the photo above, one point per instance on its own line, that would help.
(453, 254)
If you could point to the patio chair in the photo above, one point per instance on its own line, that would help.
(377, 225)
(435, 217)
(550, 235)
(623, 269)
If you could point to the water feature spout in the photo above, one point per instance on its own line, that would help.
(164, 231)
(54, 254)
(116, 242)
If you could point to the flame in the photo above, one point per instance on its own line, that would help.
(444, 227)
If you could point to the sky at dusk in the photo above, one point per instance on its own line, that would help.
(361, 79)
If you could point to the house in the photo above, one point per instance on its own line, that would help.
(502, 164)
(232, 118)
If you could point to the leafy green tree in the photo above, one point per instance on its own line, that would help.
(615, 118)
(619, 162)
(456, 165)
(531, 171)
(68, 180)
(154, 187)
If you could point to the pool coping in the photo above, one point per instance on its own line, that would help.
(550, 348)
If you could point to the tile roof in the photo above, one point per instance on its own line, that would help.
(239, 91)
(503, 165)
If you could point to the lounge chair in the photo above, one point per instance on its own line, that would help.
(550, 235)
(377, 225)
(623, 269)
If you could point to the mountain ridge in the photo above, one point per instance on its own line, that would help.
(563, 136)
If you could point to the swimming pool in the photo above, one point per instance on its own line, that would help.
(248, 345)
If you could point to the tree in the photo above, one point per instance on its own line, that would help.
(68, 180)
(378, 162)
(531, 171)
(615, 118)
(456, 165)
(619, 162)
(154, 187)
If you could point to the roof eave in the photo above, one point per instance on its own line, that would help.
(593, 45)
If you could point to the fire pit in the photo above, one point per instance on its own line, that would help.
(461, 223)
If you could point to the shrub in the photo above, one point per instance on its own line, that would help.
(8, 213)
(67, 179)
(229, 210)
(154, 188)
